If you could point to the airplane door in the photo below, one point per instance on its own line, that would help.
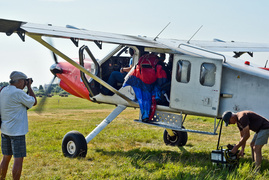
(196, 84)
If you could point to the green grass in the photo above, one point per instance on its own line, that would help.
(124, 149)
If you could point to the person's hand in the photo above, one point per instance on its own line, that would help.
(241, 153)
(29, 82)
(234, 150)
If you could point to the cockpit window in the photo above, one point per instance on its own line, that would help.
(90, 66)
(207, 74)
(183, 71)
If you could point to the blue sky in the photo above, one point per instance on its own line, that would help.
(240, 20)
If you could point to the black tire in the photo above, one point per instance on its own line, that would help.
(180, 138)
(74, 145)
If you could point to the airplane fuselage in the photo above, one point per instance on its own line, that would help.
(230, 85)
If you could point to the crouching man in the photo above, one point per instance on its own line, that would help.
(248, 120)
(14, 103)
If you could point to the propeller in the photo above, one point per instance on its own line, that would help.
(41, 104)
(54, 69)
(53, 54)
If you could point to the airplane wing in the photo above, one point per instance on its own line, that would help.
(224, 46)
(9, 27)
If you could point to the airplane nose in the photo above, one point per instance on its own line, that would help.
(56, 69)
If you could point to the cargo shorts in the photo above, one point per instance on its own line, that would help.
(13, 145)
(261, 137)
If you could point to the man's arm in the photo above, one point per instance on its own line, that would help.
(244, 137)
(30, 91)
(126, 69)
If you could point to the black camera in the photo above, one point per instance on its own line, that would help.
(29, 80)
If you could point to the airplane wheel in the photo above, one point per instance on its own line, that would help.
(74, 145)
(180, 138)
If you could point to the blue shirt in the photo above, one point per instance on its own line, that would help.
(131, 62)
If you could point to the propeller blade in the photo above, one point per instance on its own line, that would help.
(41, 104)
(55, 57)
(53, 54)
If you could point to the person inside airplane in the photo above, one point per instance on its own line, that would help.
(146, 80)
(118, 76)
(170, 64)
(164, 65)
(166, 83)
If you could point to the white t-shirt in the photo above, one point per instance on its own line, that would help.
(13, 104)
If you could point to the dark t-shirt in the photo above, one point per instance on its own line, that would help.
(253, 120)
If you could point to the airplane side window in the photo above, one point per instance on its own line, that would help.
(183, 71)
(207, 74)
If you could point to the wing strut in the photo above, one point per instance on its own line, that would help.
(81, 68)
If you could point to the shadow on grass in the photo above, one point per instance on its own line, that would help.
(160, 156)
(200, 162)
(171, 164)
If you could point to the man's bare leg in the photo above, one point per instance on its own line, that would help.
(258, 156)
(17, 168)
(252, 152)
(4, 166)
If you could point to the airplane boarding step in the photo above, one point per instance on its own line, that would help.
(170, 121)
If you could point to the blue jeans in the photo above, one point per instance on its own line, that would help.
(114, 78)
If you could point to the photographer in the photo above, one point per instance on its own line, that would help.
(14, 103)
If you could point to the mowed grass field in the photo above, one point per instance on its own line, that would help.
(124, 149)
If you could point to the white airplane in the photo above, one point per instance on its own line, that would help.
(204, 81)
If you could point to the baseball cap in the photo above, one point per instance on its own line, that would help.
(226, 116)
(16, 75)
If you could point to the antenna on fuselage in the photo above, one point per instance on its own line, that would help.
(161, 31)
(194, 34)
